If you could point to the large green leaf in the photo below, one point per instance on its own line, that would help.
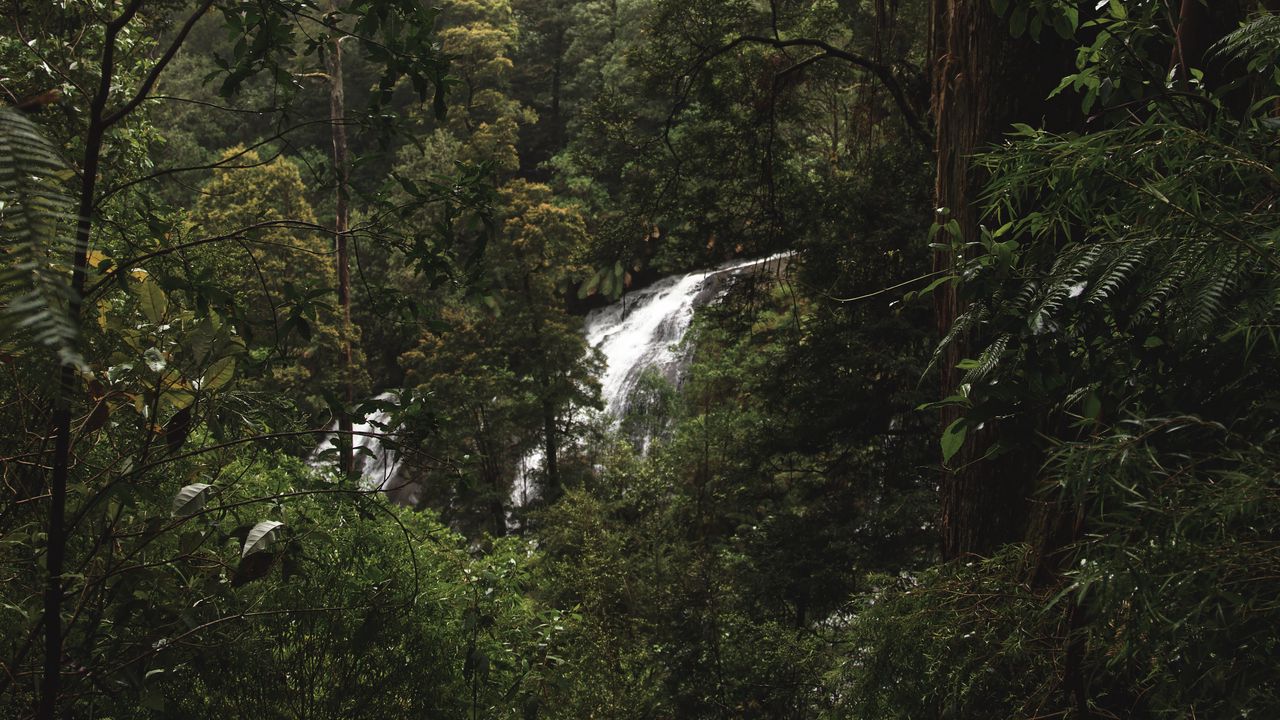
(260, 537)
(152, 300)
(953, 439)
(191, 499)
(219, 373)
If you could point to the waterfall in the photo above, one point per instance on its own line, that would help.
(378, 465)
(639, 333)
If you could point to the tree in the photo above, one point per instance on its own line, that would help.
(984, 79)
(342, 219)
(1116, 300)
(278, 283)
(175, 359)
(506, 373)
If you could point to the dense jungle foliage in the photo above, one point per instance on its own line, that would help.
(996, 437)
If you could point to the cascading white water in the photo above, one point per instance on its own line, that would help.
(642, 331)
(639, 333)
(378, 465)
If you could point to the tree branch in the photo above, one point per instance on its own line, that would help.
(159, 67)
(883, 73)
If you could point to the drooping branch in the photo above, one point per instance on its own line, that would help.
(884, 73)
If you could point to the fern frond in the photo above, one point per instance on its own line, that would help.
(967, 321)
(35, 292)
(1204, 301)
(1172, 276)
(1121, 268)
(1259, 37)
(1025, 295)
(988, 360)
(1084, 263)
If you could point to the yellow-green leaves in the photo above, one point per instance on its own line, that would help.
(219, 374)
(151, 300)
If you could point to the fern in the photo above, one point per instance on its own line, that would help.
(1152, 240)
(1171, 278)
(1122, 267)
(965, 323)
(989, 360)
(35, 292)
(1206, 303)
(1258, 39)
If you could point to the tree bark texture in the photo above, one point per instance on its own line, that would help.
(982, 81)
(337, 113)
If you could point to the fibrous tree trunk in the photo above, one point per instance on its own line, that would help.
(337, 113)
(983, 80)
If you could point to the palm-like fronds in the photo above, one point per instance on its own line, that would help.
(35, 289)
(1257, 40)
(1172, 233)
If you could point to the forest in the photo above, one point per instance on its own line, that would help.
(652, 359)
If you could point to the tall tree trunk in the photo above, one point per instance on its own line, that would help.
(551, 446)
(550, 434)
(337, 113)
(56, 538)
(983, 80)
(557, 71)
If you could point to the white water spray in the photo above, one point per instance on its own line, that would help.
(378, 465)
(641, 333)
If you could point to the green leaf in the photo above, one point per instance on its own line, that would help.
(219, 374)
(928, 289)
(191, 499)
(1072, 17)
(35, 293)
(260, 537)
(589, 287)
(178, 399)
(151, 300)
(606, 285)
(1018, 21)
(953, 439)
(1092, 406)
